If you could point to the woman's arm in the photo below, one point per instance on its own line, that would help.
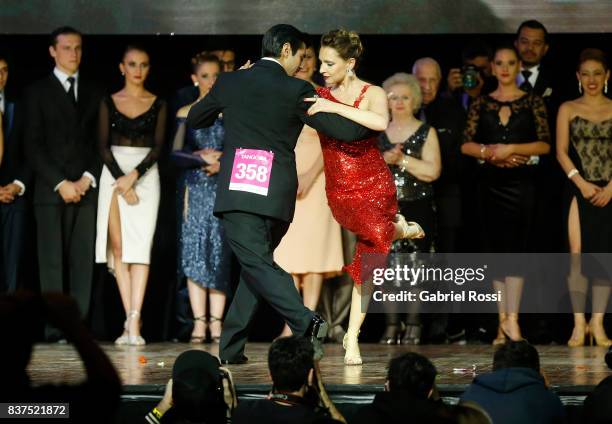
(427, 168)
(470, 147)
(542, 144)
(588, 190)
(376, 117)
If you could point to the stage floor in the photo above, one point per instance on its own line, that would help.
(570, 371)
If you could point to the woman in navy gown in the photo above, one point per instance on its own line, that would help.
(202, 251)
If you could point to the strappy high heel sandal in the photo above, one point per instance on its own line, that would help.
(135, 340)
(597, 334)
(199, 339)
(214, 339)
(503, 326)
(123, 339)
(412, 335)
(410, 229)
(351, 347)
(579, 334)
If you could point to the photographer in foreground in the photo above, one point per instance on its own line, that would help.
(200, 391)
(298, 395)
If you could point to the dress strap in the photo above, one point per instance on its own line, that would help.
(360, 97)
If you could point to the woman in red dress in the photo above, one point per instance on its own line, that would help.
(360, 189)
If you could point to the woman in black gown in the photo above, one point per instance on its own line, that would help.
(584, 150)
(506, 131)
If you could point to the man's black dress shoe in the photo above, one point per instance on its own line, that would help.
(237, 361)
(317, 331)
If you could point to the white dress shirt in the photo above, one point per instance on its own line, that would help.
(535, 71)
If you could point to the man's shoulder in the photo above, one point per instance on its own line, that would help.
(39, 84)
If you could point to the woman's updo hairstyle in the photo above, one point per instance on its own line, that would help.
(594, 55)
(346, 43)
(201, 58)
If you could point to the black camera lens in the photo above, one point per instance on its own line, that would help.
(470, 76)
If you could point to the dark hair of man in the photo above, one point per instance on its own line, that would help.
(277, 36)
(533, 24)
(585, 55)
(412, 373)
(290, 359)
(474, 50)
(201, 58)
(516, 355)
(65, 30)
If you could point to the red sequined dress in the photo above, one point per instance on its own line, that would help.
(360, 192)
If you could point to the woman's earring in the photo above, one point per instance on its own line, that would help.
(606, 87)
(579, 87)
(195, 84)
(349, 72)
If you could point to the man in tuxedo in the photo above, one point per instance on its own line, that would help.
(532, 44)
(60, 136)
(264, 111)
(14, 177)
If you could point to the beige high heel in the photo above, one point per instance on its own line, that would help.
(410, 229)
(583, 331)
(501, 337)
(123, 339)
(135, 340)
(352, 356)
(601, 339)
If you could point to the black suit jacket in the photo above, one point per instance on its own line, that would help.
(13, 165)
(59, 137)
(263, 109)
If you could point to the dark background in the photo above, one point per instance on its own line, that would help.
(170, 55)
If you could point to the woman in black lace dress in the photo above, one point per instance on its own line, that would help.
(584, 127)
(131, 130)
(507, 131)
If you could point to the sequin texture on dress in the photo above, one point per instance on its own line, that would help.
(361, 194)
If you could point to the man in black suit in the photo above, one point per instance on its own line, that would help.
(60, 143)
(264, 111)
(532, 44)
(14, 177)
(448, 118)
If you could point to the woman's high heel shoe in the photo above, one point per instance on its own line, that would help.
(501, 337)
(214, 339)
(578, 336)
(135, 340)
(412, 336)
(504, 326)
(197, 338)
(351, 346)
(410, 229)
(123, 339)
(391, 336)
(598, 334)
